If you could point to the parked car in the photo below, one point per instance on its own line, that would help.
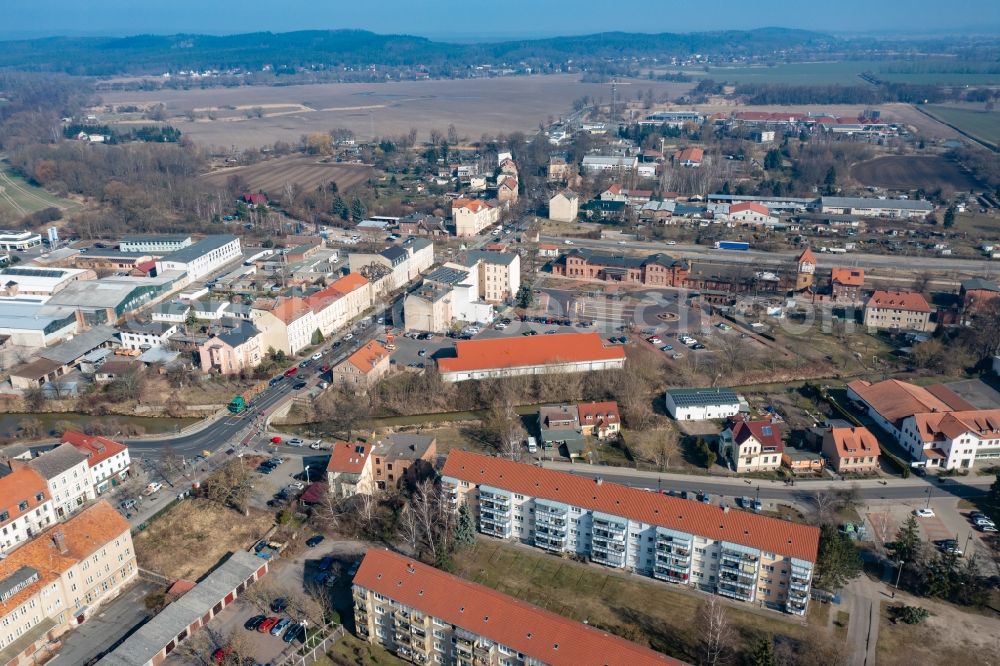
(293, 632)
(987, 528)
(279, 605)
(667, 348)
(296, 485)
(254, 622)
(276, 440)
(317, 356)
(326, 563)
(295, 441)
(924, 513)
(298, 386)
(279, 626)
(291, 372)
(267, 625)
(315, 540)
(219, 656)
(349, 336)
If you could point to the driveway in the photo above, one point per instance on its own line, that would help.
(102, 632)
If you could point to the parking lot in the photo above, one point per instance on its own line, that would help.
(292, 579)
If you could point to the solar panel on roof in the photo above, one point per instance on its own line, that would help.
(766, 430)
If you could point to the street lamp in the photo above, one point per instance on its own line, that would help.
(899, 575)
(930, 491)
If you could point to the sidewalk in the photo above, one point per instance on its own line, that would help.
(808, 484)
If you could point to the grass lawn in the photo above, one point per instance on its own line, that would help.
(841, 624)
(19, 198)
(662, 615)
(846, 73)
(983, 125)
(352, 651)
(977, 225)
(907, 644)
(194, 535)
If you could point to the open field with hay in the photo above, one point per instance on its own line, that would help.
(474, 106)
(306, 171)
(911, 172)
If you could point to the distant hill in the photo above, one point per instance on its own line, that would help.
(325, 49)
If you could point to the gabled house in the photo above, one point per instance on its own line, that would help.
(564, 206)
(107, 459)
(364, 368)
(350, 470)
(851, 450)
(898, 310)
(751, 445)
(559, 425)
(599, 419)
(689, 157)
(232, 351)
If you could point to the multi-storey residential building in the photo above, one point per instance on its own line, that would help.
(340, 302)
(936, 426)
(530, 355)
(232, 351)
(427, 616)
(396, 453)
(145, 335)
(60, 578)
(285, 324)
(851, 450)
(739, 555)
(898, 310)
(107, 460)
(471, 216)
(349, 471)
(207, 255)
(564, 206)
(156, 243)
(364, 368)
(751, 445)
(25, 507)
(65, 471)
(499, 274)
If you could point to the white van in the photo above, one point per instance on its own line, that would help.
(532, 445)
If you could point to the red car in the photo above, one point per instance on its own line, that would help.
(276, 440)
(267, 625)
(219, 656)
(291, 372)
(325, 368)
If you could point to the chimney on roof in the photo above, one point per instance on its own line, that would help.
(59, 541)
(725, 509)
(599, 480)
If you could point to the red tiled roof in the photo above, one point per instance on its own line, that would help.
(348, 458)
(97, 449)
(475, 205)
(368, 356)
(909, 301)
(755, 207)
(528, 629)
(807, 256)
(690, 155)
(598, 413)
(853, 442)
(290, 309)
(83, 534)
(514, 352)
(895, 400)
(766, 432)
(768, 534)
(849, 277)
(350, 282)
(21, 485)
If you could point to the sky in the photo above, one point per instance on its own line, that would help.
(461, 20)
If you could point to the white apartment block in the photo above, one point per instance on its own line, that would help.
(139, 336)
(203, 258)
(499, 274)
(67, 476)
(427, 616)
(107, 460)
(471, 216)
(25, 507)
(745, 557)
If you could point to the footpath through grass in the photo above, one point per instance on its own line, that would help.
(647, 611)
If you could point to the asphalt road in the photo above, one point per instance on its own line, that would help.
(220, 432)
(760, 258)
(910, 489)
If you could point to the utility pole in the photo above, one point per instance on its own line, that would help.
(899, 574)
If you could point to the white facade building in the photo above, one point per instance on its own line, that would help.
(702, 404)
(68, 478)
(19, 240)
(204, 257)
(746, 557)
(156, 243)
(142, 336)
(25, 507)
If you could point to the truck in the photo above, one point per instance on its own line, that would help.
(732, 245)
(237, 404)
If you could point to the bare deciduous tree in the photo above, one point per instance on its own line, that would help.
(715, 633)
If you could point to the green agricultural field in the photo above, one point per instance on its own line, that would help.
(18, 198)
(984, 125)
